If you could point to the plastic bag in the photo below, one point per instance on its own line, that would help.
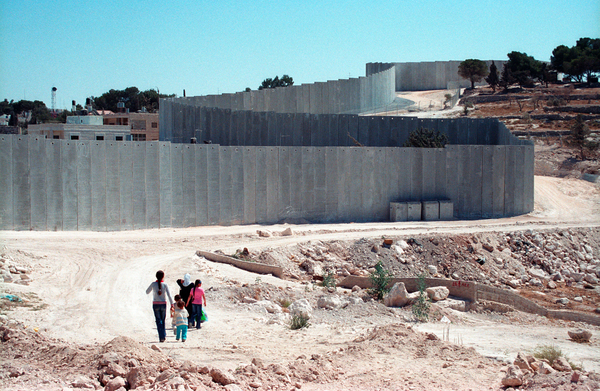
(203, 317)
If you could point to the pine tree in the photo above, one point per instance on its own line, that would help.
(493, 79)
(579, 133)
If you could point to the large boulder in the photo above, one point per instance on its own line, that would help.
(397, 296)
(522, 362)
(562, 365)
(301, 308)
(221, 377)
(514, 377)
(437, 293)
(580, 335)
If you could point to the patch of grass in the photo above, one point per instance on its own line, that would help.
(329, 280)
(299, 322)
(285, 303)
(552, 353)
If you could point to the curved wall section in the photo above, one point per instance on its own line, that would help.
(419, 76)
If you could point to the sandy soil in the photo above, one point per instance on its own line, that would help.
(92, 287)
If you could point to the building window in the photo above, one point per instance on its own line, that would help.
(154, 125)
(119, 138)
(138, 137)
(74, 137)
(56, 137)
(99, 138)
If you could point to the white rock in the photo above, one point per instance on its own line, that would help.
(397, 296)
(264, 233)
(545, 368)
(432, 269)
(437, 293)
(576, 276)
(580, 335)
(287, 232)
(538, 273)
(535, 282)
(514, 377)
(398, 249)
(403, 244)
(457, 305)
(301, 308)
(588, 278)
(271, 307)
(588, 249)
(514, 283)
(329, 302)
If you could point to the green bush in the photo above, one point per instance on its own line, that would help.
(380, 281)
(425, 138)
(329, 280)
(420, 308)
(299, 322)
(552, 353)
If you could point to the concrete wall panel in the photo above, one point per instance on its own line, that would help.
(355, 189)
(332, 183)
(6, 182)
(225, 185)
(249, 163)
(308, 182)
(84, 186)
(510, 180)
(498, 178)
(261, 185)
(54, 182)
(272, 171)
(528, 178)
(177, 202)
(152, 183)
(188, 183)
(166, 189)
(113, 197)
(126, 184)
(487, 188)
(285, 184)
(138, 153)
(21, 184)
(98, 182)
(213, 179)
(237, 185)
(296, 182)
(38, 185)
(320, 183)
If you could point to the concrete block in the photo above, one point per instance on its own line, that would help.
(446, 210)
(272, 158)
(398, 211)
(413, 211)
(295, 182)
(430, 210)
(261, 185)
(320, 183)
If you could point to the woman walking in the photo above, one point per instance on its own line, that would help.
(159, 303)
(185, 288)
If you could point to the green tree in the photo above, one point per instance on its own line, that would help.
(133, 99)
(525, 69)
(425, 138)
(380, 281)
(578, 61)
(493, 79)
(473, 70)
(579, 134)
(506, 78)
(285, 81)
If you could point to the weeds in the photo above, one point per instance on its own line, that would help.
(420, 308)
(299, 322)
(552, 353)
(285, 303)
(329, 280)
(380, 281)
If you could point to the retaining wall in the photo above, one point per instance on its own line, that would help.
(474, 292)
(419, 76)
(113, 185)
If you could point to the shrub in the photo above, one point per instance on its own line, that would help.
(425, 138)
(420, 308)
(329, 280)
(380, 281)
(551, 353)
(299, 322)
(285, 303)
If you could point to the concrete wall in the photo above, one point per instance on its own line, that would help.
(419, 76)
(182, 120)
(110, 186)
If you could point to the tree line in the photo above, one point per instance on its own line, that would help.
(576, 62)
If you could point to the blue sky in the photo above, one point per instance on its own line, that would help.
(210, 47)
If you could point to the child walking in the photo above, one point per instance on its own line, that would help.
(181, 321)
(197, 298)
(176, 298)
